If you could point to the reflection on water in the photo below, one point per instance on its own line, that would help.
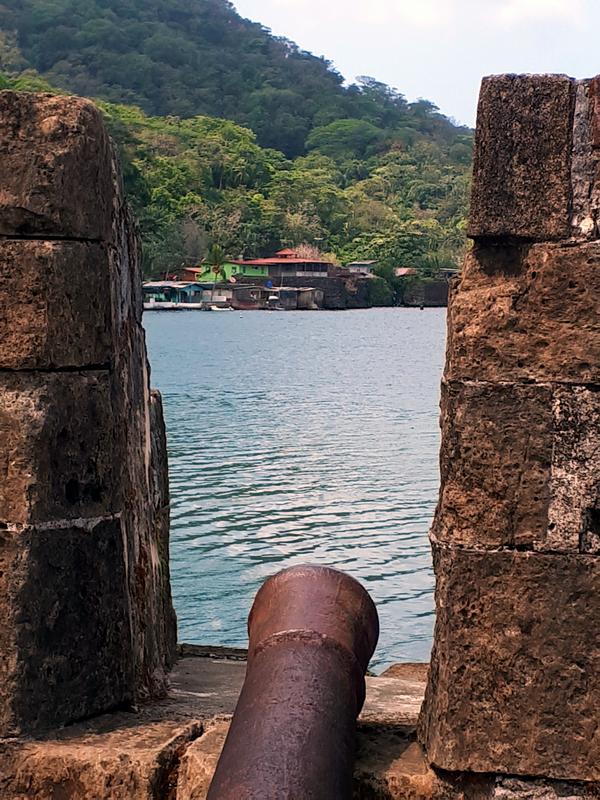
(301, 437)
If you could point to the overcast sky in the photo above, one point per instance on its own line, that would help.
(440, 49)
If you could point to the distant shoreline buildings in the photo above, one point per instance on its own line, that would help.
(289, 280)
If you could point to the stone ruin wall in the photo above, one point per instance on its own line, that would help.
(514, 685)
(87, 623)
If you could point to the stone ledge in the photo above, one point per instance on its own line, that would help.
(169, 750)
(144, 754)
(110, 759)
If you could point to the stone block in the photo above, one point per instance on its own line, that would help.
(520, 467)
(65, 630)
(522, 168)
(506, 788)
(56, 168)
(527, 314)
(496, 457)
(55, 302)
(514, 686)
(391, 765)
(133, 761)
(57, 457)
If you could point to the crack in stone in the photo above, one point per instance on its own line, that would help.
(165, 785)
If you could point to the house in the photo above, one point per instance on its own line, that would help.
(361, 267)
(204, 274)
(287, 264)
(164, 295)
(300, 298)
(218, 294)
(247, 297)
(172, 294)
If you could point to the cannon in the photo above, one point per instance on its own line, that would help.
(312, 631)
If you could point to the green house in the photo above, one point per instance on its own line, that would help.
(202, 274)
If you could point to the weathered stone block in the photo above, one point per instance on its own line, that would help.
(200, 760)
(496, 458)
(55, 168)
(522, 169)
(55, 304)
(522, 314)
(520, 467)
(165, 624)
(136, 761)
(514, 686)
(506, 788)
(57, 453)
(65, 629)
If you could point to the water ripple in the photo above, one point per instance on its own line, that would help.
(301, 437)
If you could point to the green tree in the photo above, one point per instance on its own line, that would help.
(345, 139)
(216, 261)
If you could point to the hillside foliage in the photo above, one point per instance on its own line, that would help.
(199, 57)
(233, 137)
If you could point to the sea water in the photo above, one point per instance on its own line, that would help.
(301, 437)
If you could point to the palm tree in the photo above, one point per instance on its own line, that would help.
(215, 259)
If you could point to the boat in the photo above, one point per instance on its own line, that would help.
(159, 305)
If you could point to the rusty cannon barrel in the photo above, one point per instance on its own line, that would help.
(312, 633)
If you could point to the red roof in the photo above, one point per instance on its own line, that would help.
(263, 262)
(287, 253)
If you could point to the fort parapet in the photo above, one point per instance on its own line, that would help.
(87, 623)
(514, 685)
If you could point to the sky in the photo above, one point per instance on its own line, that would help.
(439, 49)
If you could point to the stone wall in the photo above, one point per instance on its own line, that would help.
(339, 294)
(514, 684)
(87, 623)
(430, 293)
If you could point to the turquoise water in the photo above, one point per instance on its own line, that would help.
(301, 437)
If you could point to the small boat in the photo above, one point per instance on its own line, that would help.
(217, 308)
(157, 305)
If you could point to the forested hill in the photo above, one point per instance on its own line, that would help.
(231, 136)
(199, 57)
